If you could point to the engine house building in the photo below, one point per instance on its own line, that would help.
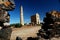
(35, 19)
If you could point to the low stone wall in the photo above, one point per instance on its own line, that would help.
(5, 33)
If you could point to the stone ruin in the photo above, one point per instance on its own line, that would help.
(50, 27)
(5, 6)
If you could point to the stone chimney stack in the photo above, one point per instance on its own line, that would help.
(21, 16)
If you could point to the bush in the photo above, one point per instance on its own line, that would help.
(25, 24)
(12, 25)
(17, 25)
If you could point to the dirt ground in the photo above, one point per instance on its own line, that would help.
(27, 31)
(24, 32)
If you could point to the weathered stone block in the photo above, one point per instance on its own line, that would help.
(5, 33)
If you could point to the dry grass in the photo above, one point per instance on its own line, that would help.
(24, 32)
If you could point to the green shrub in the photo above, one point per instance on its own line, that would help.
(25, 24)
(17, 25)
(12, 25)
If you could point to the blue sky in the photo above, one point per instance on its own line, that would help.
(31, 7)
